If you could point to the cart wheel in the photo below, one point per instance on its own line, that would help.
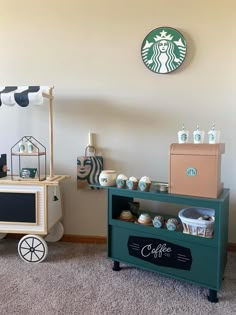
(56, 233)
(32, 248)
(2, 235)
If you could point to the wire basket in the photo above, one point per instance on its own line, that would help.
(198, 221)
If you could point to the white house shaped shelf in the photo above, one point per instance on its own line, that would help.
(31, 157)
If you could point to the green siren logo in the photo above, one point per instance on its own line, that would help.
(163, 50)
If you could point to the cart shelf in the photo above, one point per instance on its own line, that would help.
(191, 258)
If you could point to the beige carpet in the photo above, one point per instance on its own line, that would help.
(78, 279)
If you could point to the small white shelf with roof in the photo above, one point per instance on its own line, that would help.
(31, 159)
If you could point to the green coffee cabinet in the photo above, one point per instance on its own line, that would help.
(182, 256)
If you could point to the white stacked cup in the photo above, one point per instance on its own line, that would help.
(213, 135)
(183, 135)
(198, 135)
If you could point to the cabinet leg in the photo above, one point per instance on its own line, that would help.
(212, 297)
(116, 265)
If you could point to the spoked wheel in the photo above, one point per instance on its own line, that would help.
(56, 233)
(32, 248)
(2, 235)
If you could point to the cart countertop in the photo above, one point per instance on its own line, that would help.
(53, 181)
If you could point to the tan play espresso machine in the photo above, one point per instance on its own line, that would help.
(195, 169)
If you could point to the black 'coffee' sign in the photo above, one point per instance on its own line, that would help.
(160, 252)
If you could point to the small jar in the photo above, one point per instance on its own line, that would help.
(158, 221)
(21, 147)
(107, 178)
(30, 147)
(121, 181)
(172, 224)
(132, 183)
(144, 183)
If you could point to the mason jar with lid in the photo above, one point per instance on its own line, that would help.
(158, 221)
(172, 224)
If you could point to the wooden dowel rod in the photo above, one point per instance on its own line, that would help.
(51, 133)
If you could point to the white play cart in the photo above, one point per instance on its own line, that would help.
(32, 206)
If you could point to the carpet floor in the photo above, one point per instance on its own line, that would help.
(78, 279)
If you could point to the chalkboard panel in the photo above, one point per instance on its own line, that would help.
(18, 207)
(160, 252)
(3, 165)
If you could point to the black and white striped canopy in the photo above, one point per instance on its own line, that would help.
(22, 95)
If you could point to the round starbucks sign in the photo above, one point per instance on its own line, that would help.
(163, 50)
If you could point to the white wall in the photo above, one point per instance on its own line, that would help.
(90, 51)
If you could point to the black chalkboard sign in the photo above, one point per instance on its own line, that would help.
(18, 207)
(160, 252)
(3, 165)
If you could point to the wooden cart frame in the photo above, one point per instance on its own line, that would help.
(33, 207)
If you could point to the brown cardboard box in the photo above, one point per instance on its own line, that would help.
(195, 169)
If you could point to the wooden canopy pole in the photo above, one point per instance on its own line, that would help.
(51, 132)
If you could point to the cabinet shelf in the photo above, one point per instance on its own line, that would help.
(166, 197)
(164, 233)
